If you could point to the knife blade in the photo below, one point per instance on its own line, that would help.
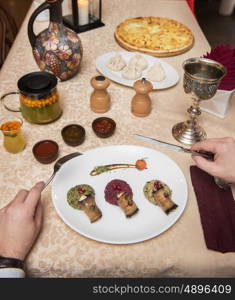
(205, 154)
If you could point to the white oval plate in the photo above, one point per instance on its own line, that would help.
(114, 227)
(172, 76)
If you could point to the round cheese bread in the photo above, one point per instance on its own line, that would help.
(155, 36)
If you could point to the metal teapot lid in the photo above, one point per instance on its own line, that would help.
(37, 83)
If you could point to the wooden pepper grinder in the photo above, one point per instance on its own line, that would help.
(141, 102)
(100, 98)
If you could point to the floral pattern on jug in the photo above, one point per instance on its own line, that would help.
(58, 49)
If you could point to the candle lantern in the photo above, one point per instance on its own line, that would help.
(85, 15)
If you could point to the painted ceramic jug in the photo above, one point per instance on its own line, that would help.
(57, 49)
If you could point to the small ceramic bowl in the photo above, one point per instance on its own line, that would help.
(104, 127)
(46, 151)
(73, 134)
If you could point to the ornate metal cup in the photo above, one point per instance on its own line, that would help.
(201, 79)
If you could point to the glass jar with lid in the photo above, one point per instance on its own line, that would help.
(39, 98)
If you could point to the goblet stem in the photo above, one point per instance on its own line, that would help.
(194, 112)
(189, 132)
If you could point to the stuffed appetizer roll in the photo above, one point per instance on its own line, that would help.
(82, 197)
(159, 193)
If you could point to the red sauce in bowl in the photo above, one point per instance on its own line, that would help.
(104, 127)
(46, 151)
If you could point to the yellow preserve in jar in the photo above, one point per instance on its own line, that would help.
(43, 110)
(39, 98)
(13, 139)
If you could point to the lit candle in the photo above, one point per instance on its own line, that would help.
(83, 9)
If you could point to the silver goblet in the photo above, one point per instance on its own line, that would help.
(201, 79)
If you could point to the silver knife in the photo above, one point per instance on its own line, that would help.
(205, 154)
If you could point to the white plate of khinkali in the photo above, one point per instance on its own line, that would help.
(126, 67)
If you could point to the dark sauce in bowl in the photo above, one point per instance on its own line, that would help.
(73, 134)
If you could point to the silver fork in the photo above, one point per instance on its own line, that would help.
(59, 163)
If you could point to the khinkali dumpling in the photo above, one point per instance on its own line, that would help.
(156, 73)
(116, 63)
(130, 72)
(139, 62)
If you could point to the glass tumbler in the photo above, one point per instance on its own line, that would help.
(13, 139)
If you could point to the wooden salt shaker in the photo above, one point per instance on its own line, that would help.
(100, 98)
(141, 102)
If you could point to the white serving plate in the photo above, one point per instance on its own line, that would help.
(114, 227)
(172, 76)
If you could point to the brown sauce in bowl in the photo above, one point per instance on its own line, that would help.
(73, 134)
